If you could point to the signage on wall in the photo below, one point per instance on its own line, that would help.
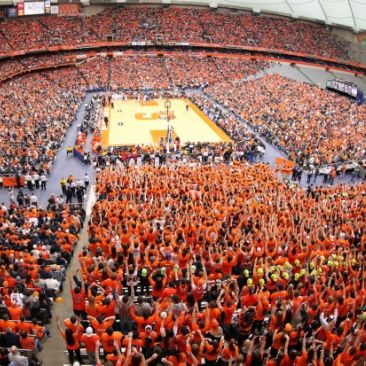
(20, 9)
(34, 7)
(12, 12)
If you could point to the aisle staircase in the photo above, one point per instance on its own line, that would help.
(7, 40)
(171, 81)
(109, 72)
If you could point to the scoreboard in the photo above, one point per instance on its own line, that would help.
(34, 7)
(25, 8)
(348, 89)
(343, 86)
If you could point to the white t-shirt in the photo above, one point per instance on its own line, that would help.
(18, 360)
(16, 298)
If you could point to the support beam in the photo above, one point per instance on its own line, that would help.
(353, 15)
(290, 7)
(324, 13)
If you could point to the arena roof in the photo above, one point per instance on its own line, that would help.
(350, 13)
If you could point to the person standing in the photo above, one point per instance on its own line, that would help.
(72, 342)
(333, 175)
(33, 183)
(80, 184)
(69, 195)
(63, 183)
(28, 181)
(86, 181)
(72, 186)
(16, 358)
(316, 173)
(309, 174)
(326, 175)
(19, 182)
(80, 194)
(20, 197)
(36, 179)
(90, 339)
(11, 195)
(78, 299)
(43, 182)
(33, 200)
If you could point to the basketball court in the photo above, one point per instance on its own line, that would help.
(133, 122)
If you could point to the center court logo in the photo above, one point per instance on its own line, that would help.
(154, 116)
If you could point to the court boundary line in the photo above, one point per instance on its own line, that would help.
(219, 131)
(211, 124)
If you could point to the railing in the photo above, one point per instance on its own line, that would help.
(37, 68)
(359, 51)
(72, 62)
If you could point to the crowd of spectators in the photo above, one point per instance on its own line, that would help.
(222, 263)
(247, 143)
(36, 111)
(95, 73)
(139, 72)
(23, 35)
(309, 123)
(39, 107)
(273, 33)
(199, 71)
(11, 67)
(187, 153)
(5, 46)
(190, 71)
(156, 24)
(36, 247)
(193, 253)
(69, 9)
(171, 71)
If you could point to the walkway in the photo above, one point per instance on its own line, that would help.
(54, 348)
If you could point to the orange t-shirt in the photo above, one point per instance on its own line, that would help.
(89, 341)
(27, 342)
(15, 312)
(108, 341)
(76, 344)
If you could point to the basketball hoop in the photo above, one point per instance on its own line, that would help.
(169, 133)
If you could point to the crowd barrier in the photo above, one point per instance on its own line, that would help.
(11, 181)
(78, 155)
(96, 90)
(209, 53)
(197, 45)
(38, 68)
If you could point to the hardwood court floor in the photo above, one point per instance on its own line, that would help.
(132, 122)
